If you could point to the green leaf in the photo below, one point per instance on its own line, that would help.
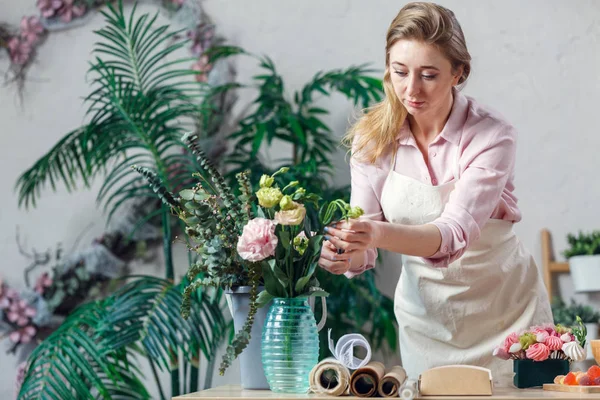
(284, 239)
(272, 284)
(264, 298)
(258, 138)
(301, 283)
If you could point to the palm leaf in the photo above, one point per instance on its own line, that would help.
(92, 354)
(135, 115)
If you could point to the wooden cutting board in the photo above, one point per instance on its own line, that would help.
(572, 389)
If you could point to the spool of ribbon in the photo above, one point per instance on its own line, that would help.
(391, 382)
(343, 350)
(330, 377)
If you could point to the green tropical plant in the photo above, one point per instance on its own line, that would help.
(566, 315)
(143, 99)
(583, 244)
(93, 353)
(297, 120)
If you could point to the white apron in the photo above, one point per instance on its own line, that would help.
(457, 315)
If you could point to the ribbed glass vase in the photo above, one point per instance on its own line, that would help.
(290, 345)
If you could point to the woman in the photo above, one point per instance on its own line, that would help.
(434, 171)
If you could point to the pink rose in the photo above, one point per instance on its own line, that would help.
(553, 343)
(538, 352)
(258, 240)
(510, 340)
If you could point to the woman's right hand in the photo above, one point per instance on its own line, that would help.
(333, 262)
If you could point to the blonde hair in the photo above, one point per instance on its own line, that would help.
(430, 23)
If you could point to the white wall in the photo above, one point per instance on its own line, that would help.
(536, 62)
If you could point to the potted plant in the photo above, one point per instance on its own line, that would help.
(584, 260)
(541, 353)
(566, 315)
(241, 243)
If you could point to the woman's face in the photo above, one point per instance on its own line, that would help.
(422, 77)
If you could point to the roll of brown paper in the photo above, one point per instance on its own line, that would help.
(391, 382)
(330, 377)
(365, 381)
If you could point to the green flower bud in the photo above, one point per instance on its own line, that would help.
(287, 203)
(281, 170)
(266, 181)
(355, 212)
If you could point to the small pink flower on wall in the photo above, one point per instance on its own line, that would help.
(202, 38)
(23, 335)
(178, 2)
(20, 312)
(43, 281)
(49, 8)
(31, 29)
(19, 50)
(202, 66)
(70, 10)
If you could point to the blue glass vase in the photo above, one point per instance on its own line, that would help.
(290, 345)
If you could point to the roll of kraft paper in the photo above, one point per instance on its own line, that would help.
(365, 381)
(330, 377)
(391, 382)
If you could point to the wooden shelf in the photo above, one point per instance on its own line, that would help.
(549, 265)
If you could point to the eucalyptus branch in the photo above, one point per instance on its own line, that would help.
(243, 179)
(223, 190)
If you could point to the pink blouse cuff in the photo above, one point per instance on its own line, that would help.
(370, 257)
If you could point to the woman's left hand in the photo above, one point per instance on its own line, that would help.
(355, 235)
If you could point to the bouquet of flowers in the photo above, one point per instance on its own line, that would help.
(540, 343)
(285, 241)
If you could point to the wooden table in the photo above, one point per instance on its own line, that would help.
(229, 392)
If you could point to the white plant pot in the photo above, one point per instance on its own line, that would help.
(592, 334)
(585, 272)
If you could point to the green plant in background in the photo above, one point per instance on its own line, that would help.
(584, 244)
(138, 108)
(92, 354)
(566, 315)
(296, 119)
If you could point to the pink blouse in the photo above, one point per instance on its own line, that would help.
(487, 146)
